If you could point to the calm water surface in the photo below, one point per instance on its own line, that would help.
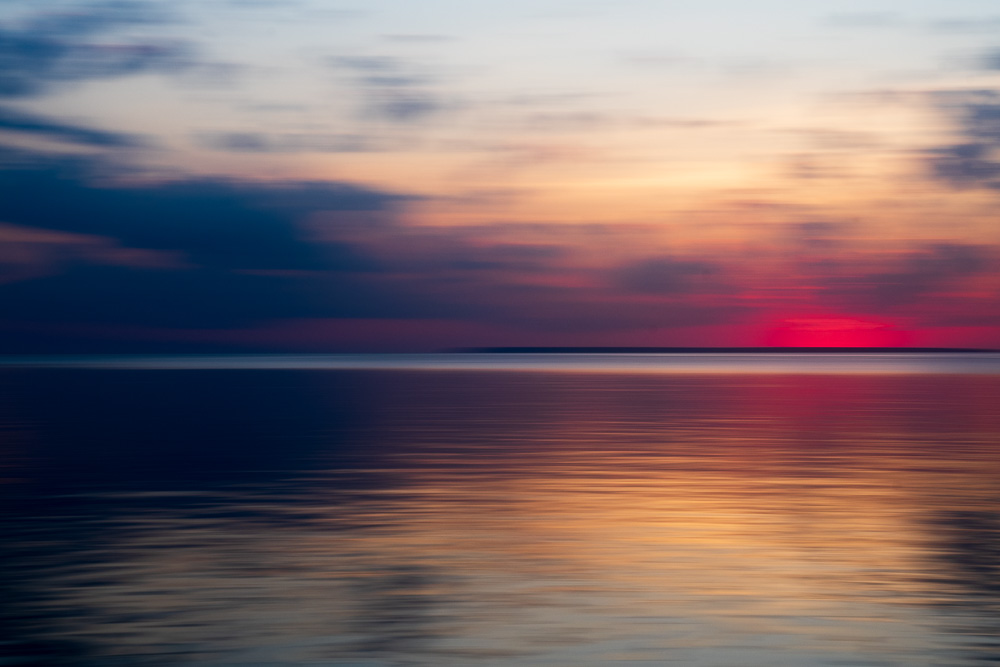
(413, 517)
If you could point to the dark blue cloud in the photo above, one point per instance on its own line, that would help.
(167, 298)
(37, 125)
(216, 224)
(979, 117)
(245, 260)
(205, 298)
(53, 48)
(974, 161)
(966, 165)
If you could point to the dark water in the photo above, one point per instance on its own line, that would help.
(370, 518)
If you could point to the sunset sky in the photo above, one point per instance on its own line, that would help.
(407, 175)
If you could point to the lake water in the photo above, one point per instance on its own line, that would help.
(219, 511)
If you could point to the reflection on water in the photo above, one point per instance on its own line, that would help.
(237, 517)
(899, 362)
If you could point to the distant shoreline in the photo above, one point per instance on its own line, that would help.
(720, 350)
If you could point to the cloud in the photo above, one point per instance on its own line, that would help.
(668, 276)
(175, 298)
(578, 311)
(991, 61)
(966, 165)
(28, 253)
(469, 250)
(214, 223)
(209, 254)
(207, 298)
(981, 24)
(259, 142)
(391, 88)
(194, 253)
(37, 125)
(974, 161)
(50, 49)
(238, 142)
(918, 275)
(508, 257)
(979, 115)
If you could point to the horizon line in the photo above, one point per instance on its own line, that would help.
(709, 350)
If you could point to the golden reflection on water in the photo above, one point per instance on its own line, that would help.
(575, 520)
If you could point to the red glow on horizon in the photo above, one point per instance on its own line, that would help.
(834, 332)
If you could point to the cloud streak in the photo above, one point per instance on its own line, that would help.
(51, 49)
(391, 89)
(21, 122)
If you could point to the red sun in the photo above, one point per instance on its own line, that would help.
(834, 332)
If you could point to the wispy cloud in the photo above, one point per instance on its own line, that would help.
(12, 120)
(391, 88)
(50, 49)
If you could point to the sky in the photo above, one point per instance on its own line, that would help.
(415, 175)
